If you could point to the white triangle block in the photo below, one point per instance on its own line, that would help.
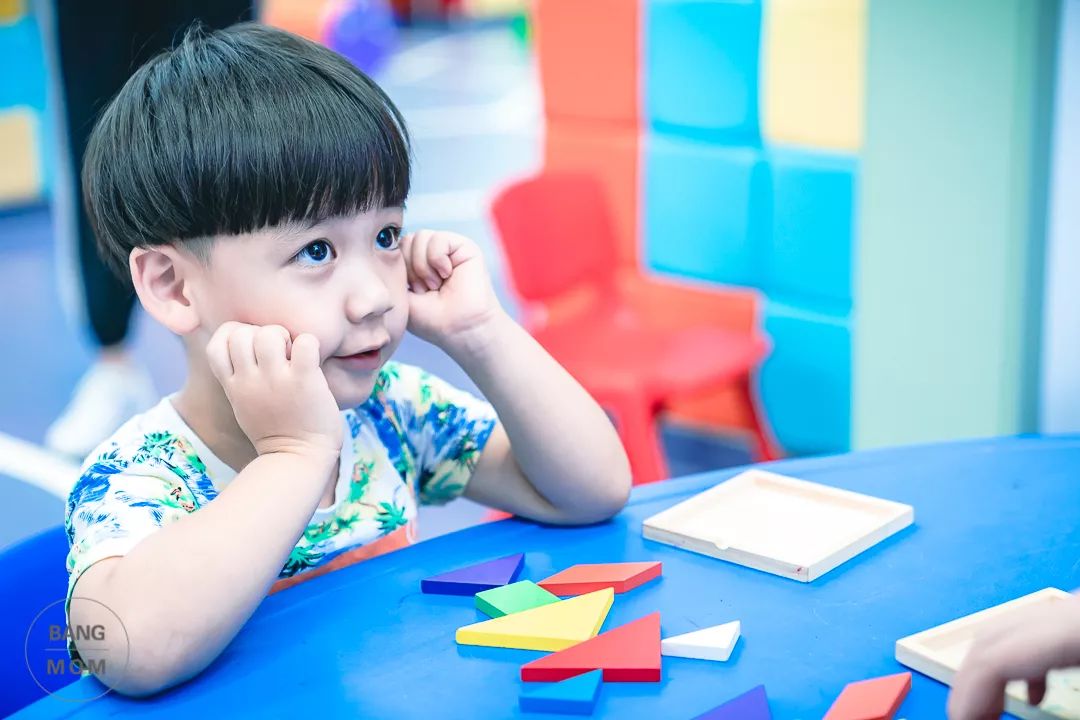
(711, 643)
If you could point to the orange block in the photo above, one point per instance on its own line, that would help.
(589, 55)
(587, 578)
(629, 653)
(306, 18)
(876, 699)
(611, 155)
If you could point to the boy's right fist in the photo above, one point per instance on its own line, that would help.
(276, 388)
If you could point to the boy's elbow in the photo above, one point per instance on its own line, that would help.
(618, 499)
(139, 683)
(126, 648)
(619, 485)
(618, 494)
(149, 665)
(148, 670)
(613, 492)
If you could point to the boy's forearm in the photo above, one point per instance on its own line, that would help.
(184, 592)
(563, 441)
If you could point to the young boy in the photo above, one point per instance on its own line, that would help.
(252, 186)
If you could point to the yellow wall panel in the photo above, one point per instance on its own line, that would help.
(494, 8)
(20, 173)
(813, 74)
(11, 11)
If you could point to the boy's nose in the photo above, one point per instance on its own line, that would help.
(368, 297)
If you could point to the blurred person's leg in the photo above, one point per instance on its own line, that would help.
(96, 46)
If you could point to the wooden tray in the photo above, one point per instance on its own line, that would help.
(788, 527)
(938, 652)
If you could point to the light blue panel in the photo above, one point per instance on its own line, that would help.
(706, 210)
(1059, 402)
(22, 65)
(700, 68)
(808, 260)
(806, 382)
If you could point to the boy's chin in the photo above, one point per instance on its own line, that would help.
(354, 395)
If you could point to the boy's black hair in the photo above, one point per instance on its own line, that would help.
(236, 130)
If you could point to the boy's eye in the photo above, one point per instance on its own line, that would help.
(315, 253)
(388, 238)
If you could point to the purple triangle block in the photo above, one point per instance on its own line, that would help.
(476, 578)
(752, 705)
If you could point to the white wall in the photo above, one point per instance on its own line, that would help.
(1060, 393)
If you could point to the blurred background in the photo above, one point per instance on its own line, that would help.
(753, 228)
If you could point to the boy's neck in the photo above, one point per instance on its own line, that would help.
(202, 404)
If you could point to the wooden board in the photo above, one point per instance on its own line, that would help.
(781, 525)
(939, 652)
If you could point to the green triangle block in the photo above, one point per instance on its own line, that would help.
(512, 598)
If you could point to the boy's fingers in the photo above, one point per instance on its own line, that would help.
(1036, 690)
(271, 346)
(439, 256)
(418, 259)
(305, 351)
(976, 700)
(979, 688)
(406, 252)
(421, 259)
(217, 354)
(241, 341)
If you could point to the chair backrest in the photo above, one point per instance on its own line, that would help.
(556, 234)
(34, 579)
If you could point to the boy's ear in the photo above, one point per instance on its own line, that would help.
(162, 279)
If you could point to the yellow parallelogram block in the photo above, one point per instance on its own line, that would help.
(549, 627)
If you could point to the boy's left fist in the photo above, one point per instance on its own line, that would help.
(449, 287)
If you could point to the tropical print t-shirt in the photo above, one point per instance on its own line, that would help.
(416, 440)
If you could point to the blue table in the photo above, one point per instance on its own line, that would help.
(994, 520)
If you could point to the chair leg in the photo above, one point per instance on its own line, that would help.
(635, 420)
(764, 447)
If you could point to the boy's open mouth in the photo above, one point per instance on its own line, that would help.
(364, 361)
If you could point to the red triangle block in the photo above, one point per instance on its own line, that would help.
(876, 699)
(629, 653)
(587, 578)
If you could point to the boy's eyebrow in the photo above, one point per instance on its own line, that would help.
(294, 227)
(288, 231)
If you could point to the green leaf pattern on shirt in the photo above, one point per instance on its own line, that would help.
(417, 439)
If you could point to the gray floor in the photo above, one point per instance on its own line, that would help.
(472, 104)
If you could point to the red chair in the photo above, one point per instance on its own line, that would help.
(560, 249)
